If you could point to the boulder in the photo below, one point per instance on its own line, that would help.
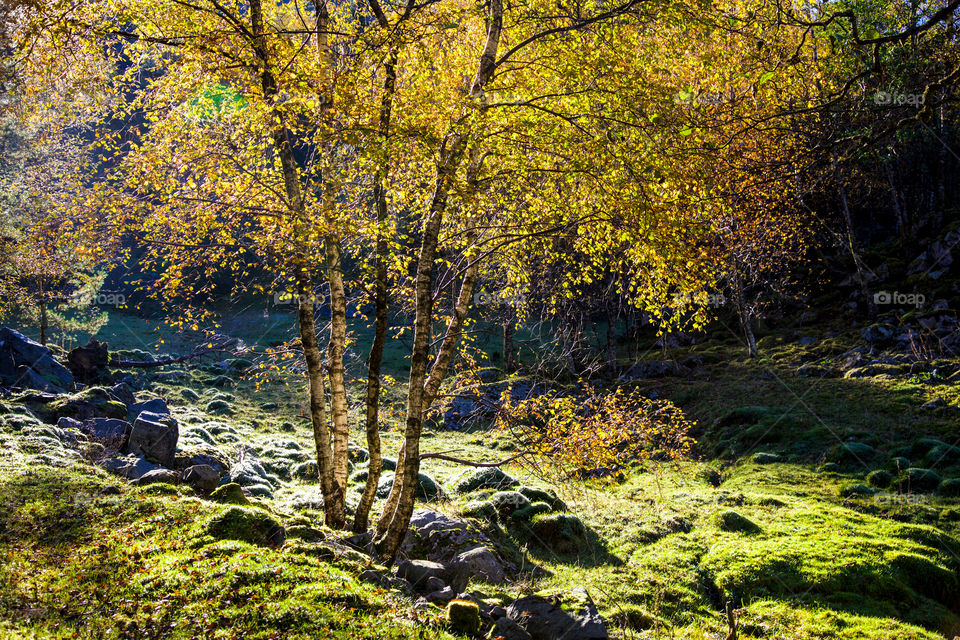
(29, 364)
(160, 475)
(439, 537)
(113, 434)
(485, 478)
(419, 572)
(507, 629)
(93, 402)
(122, 392)
(88, 364)
(545, 619)
(479, 562)
(153, 405)
(130, 467)
(248, 525)
(155, 436)
(560, 532)
(202, 477)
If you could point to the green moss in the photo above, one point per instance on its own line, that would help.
(487, 478)
(248, 525)
(535, 509)
(464, 616)
(560, 532)
(231, 493)
(734, 522)
(879, 478)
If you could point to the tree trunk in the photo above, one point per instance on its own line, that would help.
(743, 311)
(333, 496)
(335, 353)
(852, 246)
(508, 343)
(362, 517)
(44, 322)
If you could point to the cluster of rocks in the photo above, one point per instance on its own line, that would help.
(917, 468)
(479, 405)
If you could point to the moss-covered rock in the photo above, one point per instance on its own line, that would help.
(94, 402)
(853, 452)
(734, 522)
(879, 478)
(248, 525)
(560, 532)
(306, 472)
(189, 395)
(918, 480)
(544, 495)
(763, 457)
(528, 513)
(506, 502)
(898, 464)
(218, 407)
(231, 493)
(486, 478)
(428, 489)
(950, 488)
(464, 616)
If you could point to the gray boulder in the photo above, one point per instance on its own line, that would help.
(153, 405)
(113, 434)
(155, 436)
(544, 619)
(419, 572)
(156, 476)
(25, 363)
(202, 477)
(479, 562)
(130, 467)
(507, 629)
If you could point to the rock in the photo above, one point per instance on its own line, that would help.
(306, 472)
(878, 333)
(949, 487)
(807, 341)
(651, 369)
(479, 562)
(171, 377)
(441, 596)
(155, 436)
(307, 533)
(936, 403)
(879, 478)
(439, 537)
(528, 513)
(848, 452)
(428, 490)
(734, 522)
(486, 478)
(122, 392)
(545, 619)
(765, 458)
(93, 402)
(561, 532)
(29, 364)
(202, 477)
(88, 364)
(153, 405)
(543, 495)
(434, 584)
(111, 433)
(916, 479)
(418, 572)
(268, 406)
(857, 490)
(506, 502)
(464, 616)
(155, 476)
(218, 407)
(190, 395)
(248, 525)
(130, 467)
(898, 464)
(230, 493)
(506, 629)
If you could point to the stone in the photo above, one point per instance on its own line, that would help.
(561, 532)
(434, 584)
(418, 572)
(155, 436)
(202, 477)
(230, 493)
(29, 364)
(130, 467)
(122, 392)
(545, 619)
(464, 616)
(441, 596)
(734, 522)
(153, 405)
(479, 562)
(651, 369)
(486, 478)
(113, 434)
(218, 407)
(246, 524)
(93, 402)
(506, 629)
(765, 458)
(916, 479)
(155, 476)
(88, 364)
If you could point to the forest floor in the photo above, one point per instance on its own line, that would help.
(775, 514)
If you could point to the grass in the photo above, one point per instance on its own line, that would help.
(654, 556)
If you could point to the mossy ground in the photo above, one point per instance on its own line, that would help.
(654, 558)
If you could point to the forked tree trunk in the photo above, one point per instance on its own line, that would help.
(334, 507)
(372, 418)
(396, 518)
